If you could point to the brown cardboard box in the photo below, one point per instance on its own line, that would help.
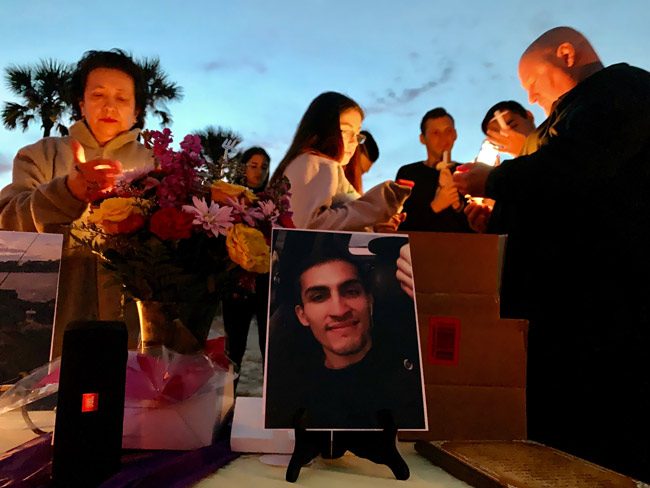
(474, 361)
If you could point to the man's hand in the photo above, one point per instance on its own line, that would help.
(471, 177)
(478, 214)
(511, 139)
(404, 273)
(507, 140)
(88, 180)
(392, 224)
(446, 196)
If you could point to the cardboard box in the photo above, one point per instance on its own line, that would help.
(474, 362)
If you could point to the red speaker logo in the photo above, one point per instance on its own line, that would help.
(89, 402)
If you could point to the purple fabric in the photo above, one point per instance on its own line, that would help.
(30, 465)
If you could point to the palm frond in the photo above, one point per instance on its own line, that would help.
(13, 113)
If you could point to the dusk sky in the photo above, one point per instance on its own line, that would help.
(254, 66)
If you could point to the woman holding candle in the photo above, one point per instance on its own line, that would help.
(55, 179)
(321, 195)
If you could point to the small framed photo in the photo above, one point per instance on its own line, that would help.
(29, 278)
(342, 339)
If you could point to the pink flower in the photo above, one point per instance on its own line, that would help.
(247, 215)
(269, 210)
(213, 218)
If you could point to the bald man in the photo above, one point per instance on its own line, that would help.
(578, 259)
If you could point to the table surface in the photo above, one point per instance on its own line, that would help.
(248, 470)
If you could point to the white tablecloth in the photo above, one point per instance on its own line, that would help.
(248, 471)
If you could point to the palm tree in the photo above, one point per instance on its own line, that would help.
(159, 89)
(212, 141)
(42, 87)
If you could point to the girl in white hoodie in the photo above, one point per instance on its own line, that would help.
(321, 195)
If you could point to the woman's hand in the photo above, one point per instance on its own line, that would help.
(404, 273)
(392, 224)
(88, 180)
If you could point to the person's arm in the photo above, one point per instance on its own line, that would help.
(313, 187)
(593, 143)
(34, 200)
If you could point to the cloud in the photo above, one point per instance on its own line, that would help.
(228, 65)
(393, 99)
(5, 163)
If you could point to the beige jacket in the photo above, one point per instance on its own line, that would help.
(323, 198)
(38, 200)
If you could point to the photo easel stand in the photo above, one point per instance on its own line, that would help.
(377, 446)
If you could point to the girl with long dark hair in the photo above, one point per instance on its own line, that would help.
(321, 195)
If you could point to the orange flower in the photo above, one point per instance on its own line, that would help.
(222, 191)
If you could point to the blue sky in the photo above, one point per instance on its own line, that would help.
(254, 66)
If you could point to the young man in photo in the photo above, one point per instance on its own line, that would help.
(347, 365)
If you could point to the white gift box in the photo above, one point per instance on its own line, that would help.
(248, 432)
(186, 425)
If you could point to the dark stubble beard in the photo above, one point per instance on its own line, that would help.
(352, 349)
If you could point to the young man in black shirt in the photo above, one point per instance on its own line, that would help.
(434, 205)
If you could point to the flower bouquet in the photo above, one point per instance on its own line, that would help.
(177, 236)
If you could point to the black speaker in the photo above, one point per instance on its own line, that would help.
(90, 407)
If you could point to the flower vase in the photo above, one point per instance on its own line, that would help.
(183, 327)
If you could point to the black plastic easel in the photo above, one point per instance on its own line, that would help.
(377, 446)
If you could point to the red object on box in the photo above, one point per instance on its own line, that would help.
(462, 168)
(409, 183)
(444, 340)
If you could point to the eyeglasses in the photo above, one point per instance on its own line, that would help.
(351, 136)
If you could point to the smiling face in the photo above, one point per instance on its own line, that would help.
(337, 309)
(350, 121)
(108, 104)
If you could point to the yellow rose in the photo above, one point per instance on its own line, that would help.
(114, 209)
(247, 247)
(118, 215)
(222, 191)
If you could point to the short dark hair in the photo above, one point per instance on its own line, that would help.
(243, 161)
(302, 250)
(370, 146)
(509, 105)
(113, 59)
(435, 113)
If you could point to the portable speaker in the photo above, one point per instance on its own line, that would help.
(90, 408)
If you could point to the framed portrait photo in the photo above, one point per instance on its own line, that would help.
(342, 339)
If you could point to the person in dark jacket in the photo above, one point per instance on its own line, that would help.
(584, 220)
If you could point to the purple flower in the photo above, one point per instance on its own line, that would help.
(191, 144)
